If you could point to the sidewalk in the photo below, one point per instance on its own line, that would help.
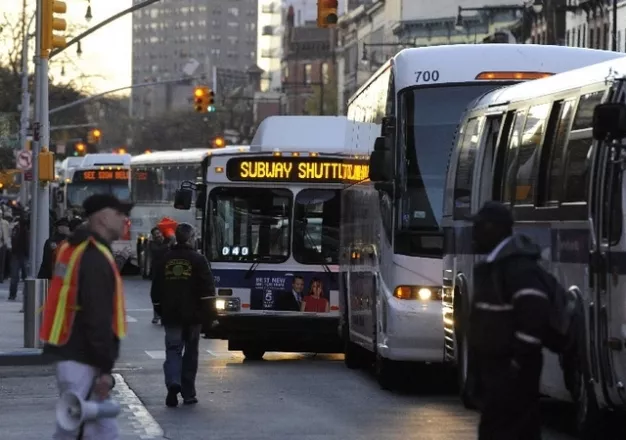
(29, 397)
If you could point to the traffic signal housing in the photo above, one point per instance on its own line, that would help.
(46, 166)
(327, 13)
(80, 149)
(50, 23)
(211, 101)
(219, 142)
(201, 99)
(93, 137)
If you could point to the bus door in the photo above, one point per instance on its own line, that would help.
(607, 309)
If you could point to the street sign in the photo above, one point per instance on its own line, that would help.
(28, 176)
(60, 148)
(24, 160)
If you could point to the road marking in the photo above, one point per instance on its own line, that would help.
(145, 425)
(130, 319)
(139, 310)
(156, 354)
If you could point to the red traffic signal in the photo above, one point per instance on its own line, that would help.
(327, 13)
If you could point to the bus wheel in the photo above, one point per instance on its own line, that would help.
(253, 354)
(588, 415)
(353, 355)
(384, 370)
(466, 377)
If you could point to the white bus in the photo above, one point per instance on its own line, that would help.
(409, 111)
(273, 223)
(531, 147)
(155, 177)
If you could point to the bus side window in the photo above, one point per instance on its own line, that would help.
(499, 156)
(577, 161)
(529, 148)
(468, 142)
(511, 156)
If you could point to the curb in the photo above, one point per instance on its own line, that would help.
(24, 358)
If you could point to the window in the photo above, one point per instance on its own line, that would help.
(465, 165)
(316, 226)
(584, 113)
(158, 184)
(528, 153)
(555, 167)
(234, 12)
(307, 74)
(511, 155)
(78, 192)
(577, 167)
(325, 74)
(249, 224)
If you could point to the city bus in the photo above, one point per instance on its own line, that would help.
(272, 235)
(409, 111)
(155, 177)
(532, 147)
(100, 173)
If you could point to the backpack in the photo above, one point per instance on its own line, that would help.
(566, 316)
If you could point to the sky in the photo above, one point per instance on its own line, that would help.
(106, 57)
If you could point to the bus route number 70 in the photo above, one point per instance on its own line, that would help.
(427, 76)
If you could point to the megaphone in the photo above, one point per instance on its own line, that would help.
(72, 411)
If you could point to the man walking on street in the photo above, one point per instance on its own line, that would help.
(61, 232)
(84, 317)
(159, 245)
(181, 291)
(20, 241)
(508, 321)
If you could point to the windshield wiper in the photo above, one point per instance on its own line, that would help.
(312, 243)
(252, 268)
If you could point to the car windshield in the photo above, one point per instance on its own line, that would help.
(249, 224)
(316, 226)
(78, 192)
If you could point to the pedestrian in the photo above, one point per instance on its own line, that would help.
(509, 318)
(5, 243)
(84, 317)
(20, 242)
(181, 291)
(159, 245)
(61, 232)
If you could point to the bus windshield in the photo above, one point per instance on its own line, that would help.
(316, 226)
(78, 192)
(249, 224)
(429, 119)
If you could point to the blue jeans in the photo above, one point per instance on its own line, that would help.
(180, 369)
(18, 263)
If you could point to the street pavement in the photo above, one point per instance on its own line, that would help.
(285, 396)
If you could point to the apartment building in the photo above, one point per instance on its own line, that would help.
(186, 39)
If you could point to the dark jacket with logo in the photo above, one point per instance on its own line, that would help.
(182, 287)
(92, 340)
(49, 254)
(510, 308)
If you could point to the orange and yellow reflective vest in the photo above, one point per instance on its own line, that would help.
(62, 303)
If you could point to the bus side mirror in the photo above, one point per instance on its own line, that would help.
(609, 122)
(380, 162)
(182, 198)
(201, 196)
(388, 126)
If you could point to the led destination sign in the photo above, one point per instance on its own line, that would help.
(296, 169)
(96, 175)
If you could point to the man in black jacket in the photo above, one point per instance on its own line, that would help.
(159, 246)
(85, 361)
(61, 232)
(181, 293)
(508, 321)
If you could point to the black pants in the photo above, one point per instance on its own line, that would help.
(510, 409)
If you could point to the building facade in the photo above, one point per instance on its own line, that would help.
(186, 39)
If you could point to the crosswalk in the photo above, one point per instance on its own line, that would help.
(204, 355)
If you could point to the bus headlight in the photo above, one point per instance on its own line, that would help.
(227, 305)
(422, 293)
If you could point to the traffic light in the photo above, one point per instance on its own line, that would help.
(120, 151)
(327, 13)
(211, 101)
(50, 23)
(93, 137)
(46, 166)
(219, 142)
(201, 99)
(80, 149)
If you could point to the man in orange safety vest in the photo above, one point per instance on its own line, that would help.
(84, 316)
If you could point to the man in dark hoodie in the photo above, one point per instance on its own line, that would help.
(508, 321)
(159, 245)
(181, 292)
(84, 317)
(60, 233)
(20, 243)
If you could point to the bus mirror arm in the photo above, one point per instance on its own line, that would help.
(609, 122)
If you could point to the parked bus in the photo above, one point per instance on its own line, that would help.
(154, 179)
(410, 109)
(531, 147)
(272, 224)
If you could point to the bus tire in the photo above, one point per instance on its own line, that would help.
(353, 354)
(588, 415)
(467, 377)
(253, 354)
(384, 371)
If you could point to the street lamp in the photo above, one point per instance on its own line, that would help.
(79, 49)
(88, 15)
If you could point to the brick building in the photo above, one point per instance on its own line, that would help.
(308, 68)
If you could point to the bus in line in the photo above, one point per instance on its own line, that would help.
(155, 177)
(538, 148)
(272, 235)
(409, 111)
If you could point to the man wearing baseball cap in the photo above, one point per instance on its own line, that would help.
(508, 321)
(84, 318)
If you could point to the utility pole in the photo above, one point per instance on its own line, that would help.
(614, 45)
(25, 110)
